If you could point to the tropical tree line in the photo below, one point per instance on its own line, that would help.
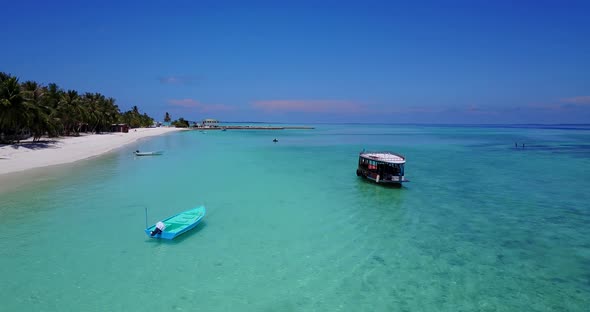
(135, 119)
(180, 123)
(32, 109)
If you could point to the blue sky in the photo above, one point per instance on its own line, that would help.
(317, 61)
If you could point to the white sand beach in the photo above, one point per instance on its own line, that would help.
(54, 151)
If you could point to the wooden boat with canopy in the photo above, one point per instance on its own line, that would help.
(382, 167)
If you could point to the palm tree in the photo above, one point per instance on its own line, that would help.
(94, 105)
(32, 91)
(14, 109)
(72, 111)
(103, 112)
(146, 120)
(167, 117)
(110, 111)
(40, 121)
(51, 97)
(53, 111)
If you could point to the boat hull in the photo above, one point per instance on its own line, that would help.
(148, 153)
(179, 223)
(395, 180)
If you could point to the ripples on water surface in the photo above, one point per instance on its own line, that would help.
(482, 226)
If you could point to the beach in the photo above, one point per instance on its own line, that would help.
(55, 151)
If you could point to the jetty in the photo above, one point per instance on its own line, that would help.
(214, 124)
(253, 128)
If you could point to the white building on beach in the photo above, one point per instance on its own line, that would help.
(209, 123)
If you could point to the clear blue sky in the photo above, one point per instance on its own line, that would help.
(317, 61)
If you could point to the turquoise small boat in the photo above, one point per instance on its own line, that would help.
(177, 224)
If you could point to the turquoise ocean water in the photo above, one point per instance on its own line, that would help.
(482, 226)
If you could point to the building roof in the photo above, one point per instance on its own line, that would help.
(387, 157)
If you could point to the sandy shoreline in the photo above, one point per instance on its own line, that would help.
(28, 155)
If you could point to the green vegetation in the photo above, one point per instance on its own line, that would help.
(31, 109)
(180, 123)
(135, 120)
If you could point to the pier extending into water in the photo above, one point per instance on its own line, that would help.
(254, 128)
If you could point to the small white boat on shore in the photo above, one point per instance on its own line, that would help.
(155, 153)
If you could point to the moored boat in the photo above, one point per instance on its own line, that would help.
(177, 224)
(382, 167)
(155, 153)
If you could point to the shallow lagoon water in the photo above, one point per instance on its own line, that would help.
(289, 227)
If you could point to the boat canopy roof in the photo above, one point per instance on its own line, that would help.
(386, 157)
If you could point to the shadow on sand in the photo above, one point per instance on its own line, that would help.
(33, 145)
